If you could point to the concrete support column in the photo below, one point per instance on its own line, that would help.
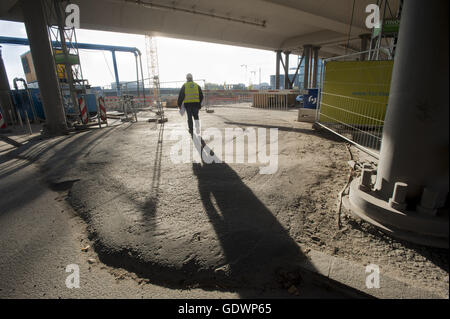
(5, 101)
(44, 64)
(277, 72)
(286, 70)
(415, 140)
(307, 54)
(365, 38)
(315, 66)
(409, 198)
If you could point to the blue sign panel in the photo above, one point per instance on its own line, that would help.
(310, 99)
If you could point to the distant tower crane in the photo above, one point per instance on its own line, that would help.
(153, 73)
(252, 75)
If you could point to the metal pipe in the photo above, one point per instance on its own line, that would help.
(86, 46)
(137, 75)
(306, 53)
(277, 71)
(116, 72)
(287, 84)
(316, 63)
(310, 67)
(298, 68)
(142, 76)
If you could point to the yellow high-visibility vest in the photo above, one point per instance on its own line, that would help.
(191, 94)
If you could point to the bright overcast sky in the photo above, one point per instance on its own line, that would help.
(213, 62)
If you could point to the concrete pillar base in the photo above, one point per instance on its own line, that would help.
(306, 115)
(410, 225)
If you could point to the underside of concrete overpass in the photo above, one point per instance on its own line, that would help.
(285, 25)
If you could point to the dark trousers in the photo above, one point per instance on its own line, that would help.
(191, 111)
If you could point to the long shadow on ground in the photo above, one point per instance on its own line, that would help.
(38, 147)
(257, 249)
(257, 252)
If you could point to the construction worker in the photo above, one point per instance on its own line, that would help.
(192, 96)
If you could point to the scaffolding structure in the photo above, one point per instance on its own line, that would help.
(153, 73)
(388, 31)
(66, 55)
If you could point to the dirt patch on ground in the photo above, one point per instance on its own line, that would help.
(310, 213)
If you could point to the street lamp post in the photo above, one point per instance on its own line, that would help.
(245, 65)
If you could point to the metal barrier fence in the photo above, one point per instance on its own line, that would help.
(275, 99)
(113, 102)
(353, 99)
(169, 95)
(225, 97)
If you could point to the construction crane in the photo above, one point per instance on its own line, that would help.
(153, 73)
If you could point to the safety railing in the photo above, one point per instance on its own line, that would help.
(274, 99)
(226, 97)
(353, 99)
(169, 94)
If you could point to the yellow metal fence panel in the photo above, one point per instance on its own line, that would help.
(356, 92)
(354, 98)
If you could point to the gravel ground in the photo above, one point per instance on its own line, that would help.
(310, 213)
(125, 169)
